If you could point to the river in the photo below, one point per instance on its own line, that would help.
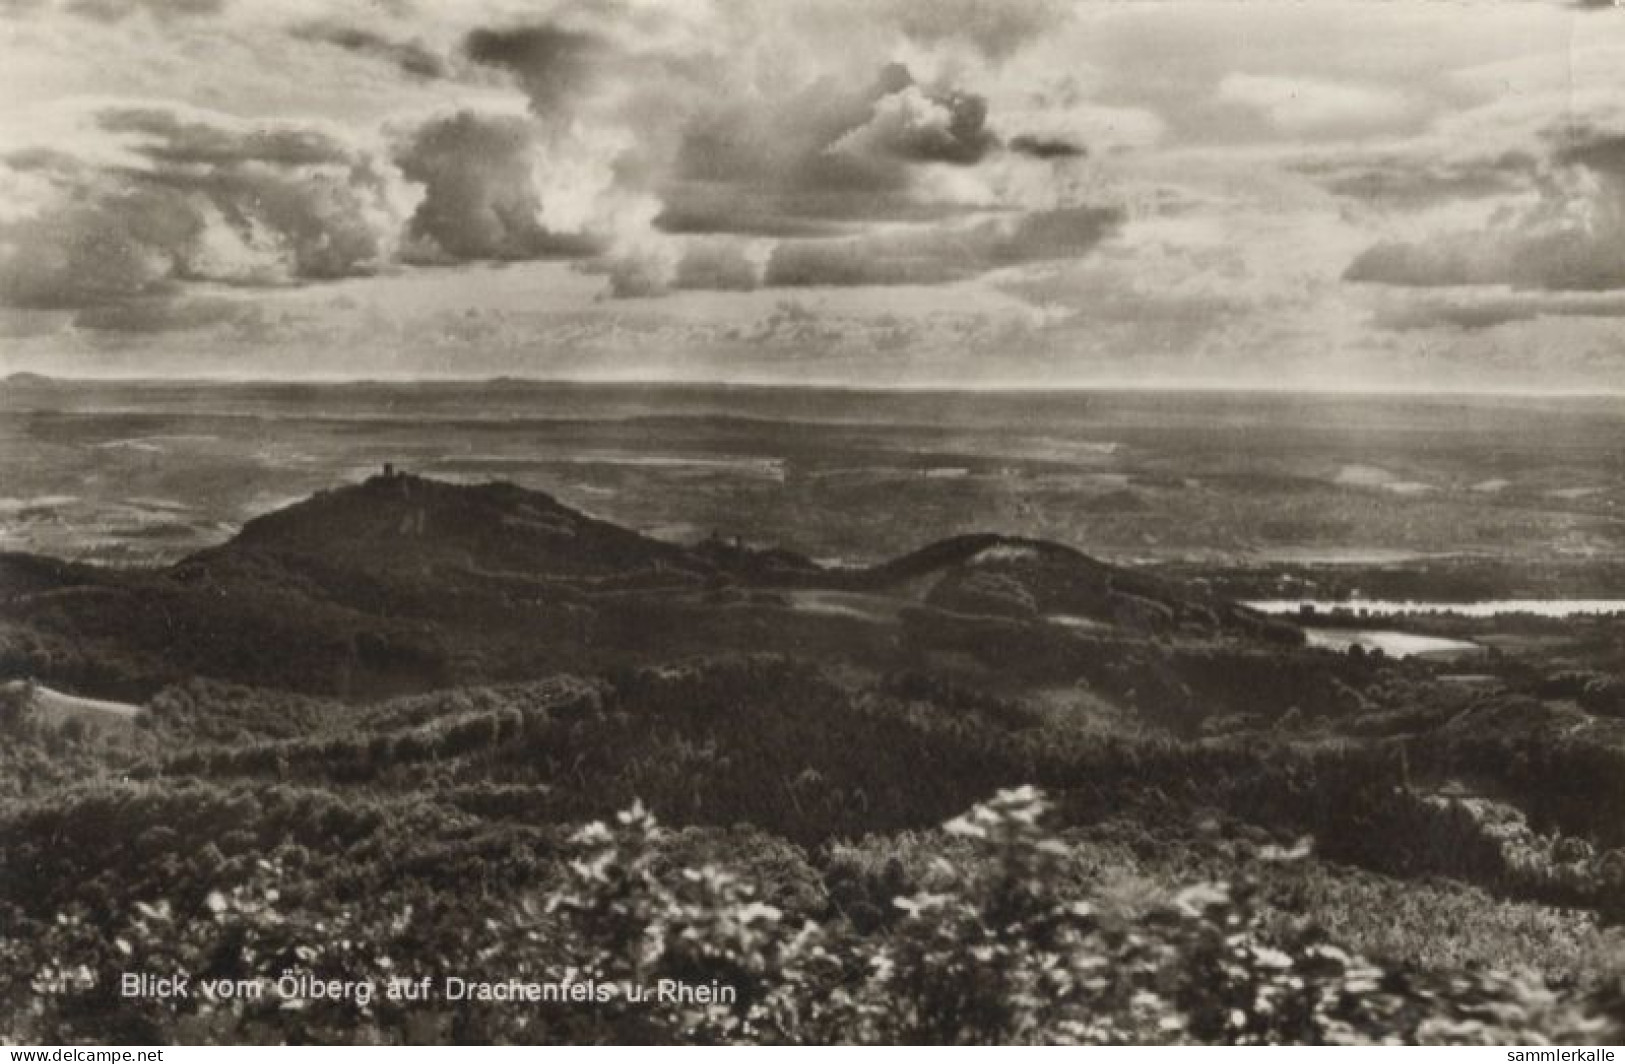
(1487, 608)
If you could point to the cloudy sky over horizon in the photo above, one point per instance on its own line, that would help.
(1374, 193)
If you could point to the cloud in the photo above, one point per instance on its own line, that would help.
(589, 161)
(166, 315)
(1056, 118)
(1601, 151)
(995, 28)
(481, 192)
(713, 146)
(826, 156)
(708, 208)
(788, 143)
(203, 198)
(119, 10)
(276, 203)
(1568, 234)
(1457, 259)
(718, 265)
(553, 65)
(410, 56)
(168, 136)
(1471, 312)
(910, 255)
(123, 245)
(1047, 147)
(919, 126)
(680, 136)
(116, 11)
(1306, 106)
(941, 254)
(729, 137)
(1406, 182)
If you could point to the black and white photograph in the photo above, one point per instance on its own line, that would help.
(812, 522)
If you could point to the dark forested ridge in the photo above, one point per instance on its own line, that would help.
(389, 710)
(402, 583)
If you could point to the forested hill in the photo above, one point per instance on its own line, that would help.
(403, 521)
(403, 583)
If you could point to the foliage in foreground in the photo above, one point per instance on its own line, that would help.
(1006, 954)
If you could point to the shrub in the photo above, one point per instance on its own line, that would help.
(1002, 949)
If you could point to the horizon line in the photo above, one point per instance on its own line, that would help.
(892, 388)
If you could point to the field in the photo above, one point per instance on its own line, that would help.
(134, 472)
(910, 717)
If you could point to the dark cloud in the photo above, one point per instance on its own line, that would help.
(722, 208)
(60, 165)
(940, 254)
(632, 277)
(1413, 190)
(301, 196)
(188, 141)
(1474, 314)
(705, 207)
(1603, 152)
(1040, 147)
(1571, 238)
(920, 255)
(869, 260)
(479, 197)
(786, 143)
(211, 201)
(119, 10)
(1539, 253)
(965, 140)
(1409, 184)
(550, 63)
(112, 11)
(121, 245)
(825, 156)
(919, 126)
(1453, 260)
(412, 57)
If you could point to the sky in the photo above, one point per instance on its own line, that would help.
(1372, 194)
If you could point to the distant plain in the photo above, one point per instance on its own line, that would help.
(1533, 489)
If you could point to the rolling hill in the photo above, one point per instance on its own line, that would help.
(402, 583)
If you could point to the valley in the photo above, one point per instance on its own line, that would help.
(391, 692)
